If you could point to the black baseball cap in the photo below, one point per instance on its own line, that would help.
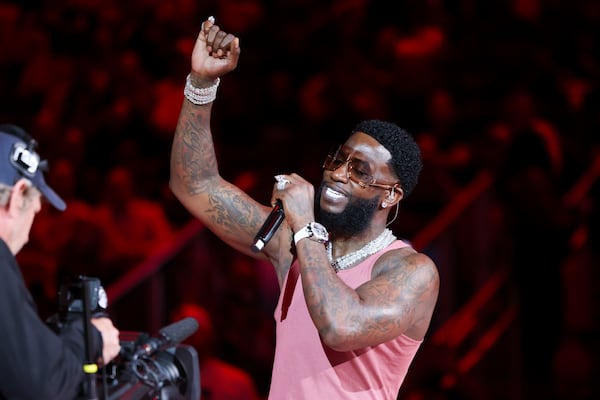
(18, 159)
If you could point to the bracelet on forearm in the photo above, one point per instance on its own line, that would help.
(200, 96)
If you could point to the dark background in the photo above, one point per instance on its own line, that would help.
(504, 88)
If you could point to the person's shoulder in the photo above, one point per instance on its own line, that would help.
(405, 260)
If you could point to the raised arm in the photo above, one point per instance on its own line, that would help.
(195, 180)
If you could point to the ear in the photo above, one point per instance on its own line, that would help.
(18, 195)
(394, 195)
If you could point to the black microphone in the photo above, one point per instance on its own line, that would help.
(271, 224)
(168, 336)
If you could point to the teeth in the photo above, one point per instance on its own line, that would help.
(332, 193)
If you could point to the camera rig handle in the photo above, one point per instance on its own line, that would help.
(90, 367)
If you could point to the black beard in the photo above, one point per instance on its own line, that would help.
(353, 220)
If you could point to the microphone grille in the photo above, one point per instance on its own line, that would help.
(180, 330)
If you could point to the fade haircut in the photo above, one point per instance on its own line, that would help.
(406, 156)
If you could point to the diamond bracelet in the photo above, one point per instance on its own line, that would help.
(200, 96)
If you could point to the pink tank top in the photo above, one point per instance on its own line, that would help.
(304, 368)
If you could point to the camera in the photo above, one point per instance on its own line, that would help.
(147, 368)
(71, 296)
(172, 373)
(72, 301)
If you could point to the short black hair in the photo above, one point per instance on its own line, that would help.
(406, 156)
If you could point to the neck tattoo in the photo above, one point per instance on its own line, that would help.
(349, 260)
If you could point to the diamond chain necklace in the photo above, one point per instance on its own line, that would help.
(346, 261)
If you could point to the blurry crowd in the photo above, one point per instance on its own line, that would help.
(510, 87)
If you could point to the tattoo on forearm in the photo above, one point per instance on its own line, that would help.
(197, 160)
(233, 212)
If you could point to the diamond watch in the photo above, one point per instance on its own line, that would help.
(313, 231)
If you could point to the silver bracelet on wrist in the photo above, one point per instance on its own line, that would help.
(200, 96)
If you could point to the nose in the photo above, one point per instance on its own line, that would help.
(342, 173)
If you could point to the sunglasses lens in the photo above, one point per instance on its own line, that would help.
(355, 170)
(331, 163)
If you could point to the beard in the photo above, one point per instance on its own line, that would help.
(354, 219)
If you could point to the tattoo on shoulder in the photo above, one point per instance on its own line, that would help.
(409, 268)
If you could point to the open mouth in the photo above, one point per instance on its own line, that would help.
(333, 194)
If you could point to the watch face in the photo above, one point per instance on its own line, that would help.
(319, 232)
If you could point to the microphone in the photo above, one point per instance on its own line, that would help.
(269, 227)
(168, 336)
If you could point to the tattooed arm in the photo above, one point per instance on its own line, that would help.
(399, 299)
(195, 180)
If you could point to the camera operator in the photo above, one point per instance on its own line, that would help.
(35, 362)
